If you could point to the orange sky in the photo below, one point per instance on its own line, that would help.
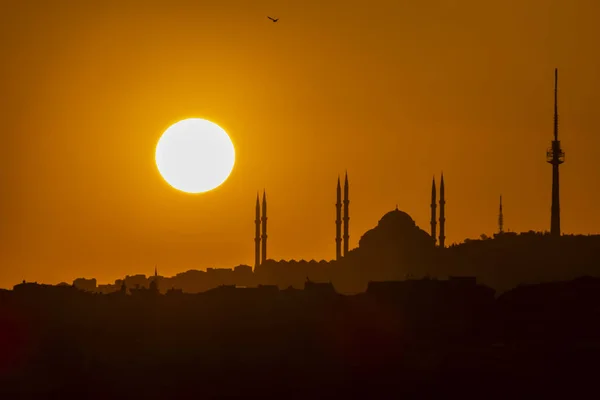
(392, 91)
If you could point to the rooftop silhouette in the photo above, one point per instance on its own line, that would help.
(231, 341)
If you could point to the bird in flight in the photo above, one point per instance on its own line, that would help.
(273, 19)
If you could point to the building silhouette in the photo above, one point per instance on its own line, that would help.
(555, 156)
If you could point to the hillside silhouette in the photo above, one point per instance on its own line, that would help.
(397, 249)
(396, 316)
(415, 338)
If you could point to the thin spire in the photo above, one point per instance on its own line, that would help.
(257, 232)
(500, 218)
(555, 103)
(346, 214)
(264, 227)
(338, 221)
(433, 205)
(442, 237)
(154, 282)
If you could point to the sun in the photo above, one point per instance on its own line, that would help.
(195, 155)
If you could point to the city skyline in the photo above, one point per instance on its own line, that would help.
(302, 199)
(392, 93)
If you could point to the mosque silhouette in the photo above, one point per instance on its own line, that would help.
(397, 249)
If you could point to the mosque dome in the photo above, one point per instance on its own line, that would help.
(396, 229)
(397, 218)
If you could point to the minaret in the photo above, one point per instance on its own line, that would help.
(338, 222)
(555, 156)
(442, 213)
(346, 215)
(500, 218)
(264, 227)
(257, 234)
(433, 213)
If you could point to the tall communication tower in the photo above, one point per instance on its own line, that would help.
(555, 156)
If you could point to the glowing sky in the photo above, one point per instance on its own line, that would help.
(392, 91)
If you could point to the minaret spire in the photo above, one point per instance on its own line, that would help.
(433, 209)
(338, 222)
(264, 227)
(442, 213)
(500, 218)
(154, 282)
(257, 233)
(346, 215)
(555, 156)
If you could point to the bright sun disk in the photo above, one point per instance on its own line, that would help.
(195, 155)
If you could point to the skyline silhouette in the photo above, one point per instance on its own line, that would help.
(135, 136)
(396, 249)
(414, 338)
(555, 156)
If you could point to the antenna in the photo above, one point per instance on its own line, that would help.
(500, 218)
(555, 156)
(555, 103)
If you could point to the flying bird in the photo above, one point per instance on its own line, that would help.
(273, 19)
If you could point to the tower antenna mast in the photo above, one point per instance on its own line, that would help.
(555, 156)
